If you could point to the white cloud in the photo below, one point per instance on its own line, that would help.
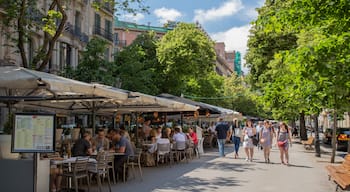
(164, 14)
(236, 39)
(228, 8)
(251, 13)
(133, 18)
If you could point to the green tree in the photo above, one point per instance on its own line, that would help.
(137, 66)
(23, 17)
(185, 53)
(314, 73)
(93, 66)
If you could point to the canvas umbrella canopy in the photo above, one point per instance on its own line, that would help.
(34, 89)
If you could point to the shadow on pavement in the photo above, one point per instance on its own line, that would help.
(300, 166)
(199, 184)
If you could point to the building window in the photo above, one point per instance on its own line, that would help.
(108, 28)
(65, 56)
(77, 22)
(97, 24)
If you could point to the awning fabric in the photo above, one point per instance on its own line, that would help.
(40, 90)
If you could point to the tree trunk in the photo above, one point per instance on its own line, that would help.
(22, 34)
(303, 133)
(317, 137)
(334, 136)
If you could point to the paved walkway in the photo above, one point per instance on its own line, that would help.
(211, 173)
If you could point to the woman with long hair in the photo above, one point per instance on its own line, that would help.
(249, 132)
(266, 135)
(284, 140)
(236, 137)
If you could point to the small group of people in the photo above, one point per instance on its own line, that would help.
(116, 140)
(168, 135)
(251, 136)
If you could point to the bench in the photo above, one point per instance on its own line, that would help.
(340, 174)
(308, 143)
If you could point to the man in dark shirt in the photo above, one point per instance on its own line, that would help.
(221, 131)
(82, 147)
(122, 145)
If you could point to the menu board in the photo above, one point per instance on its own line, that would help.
(34, 132)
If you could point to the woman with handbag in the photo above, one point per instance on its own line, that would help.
(266, 135)
(283, 141)
(249, 133)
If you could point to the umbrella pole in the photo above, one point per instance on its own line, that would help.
(136, 132)
(93, 118)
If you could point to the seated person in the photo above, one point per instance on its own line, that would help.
(159, 133)
(193, 136)
(124, 132)
(122, 145)
(82, 147)
(55, 173)
(146, 128)
(178, 136)
(100, 142)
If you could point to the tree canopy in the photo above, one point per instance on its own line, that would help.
(186, 53)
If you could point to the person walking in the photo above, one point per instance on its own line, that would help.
(222, 132)
(258, 128)
(248, 133)
(284, 140)
(236, 136)
(266, 135)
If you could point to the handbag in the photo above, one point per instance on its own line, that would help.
(255, 141)
(262, 140)
(281, 143)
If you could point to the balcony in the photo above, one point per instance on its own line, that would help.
(75, 31)
(103, 33)
(120, 43)
(105, 6)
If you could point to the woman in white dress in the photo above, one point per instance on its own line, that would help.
(249, 132)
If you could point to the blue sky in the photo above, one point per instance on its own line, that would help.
(225, 20)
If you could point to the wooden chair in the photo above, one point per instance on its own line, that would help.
(77, 170)
(133, 160)
(75, 134)
(101, 170)
(58, 139)
(308, 143)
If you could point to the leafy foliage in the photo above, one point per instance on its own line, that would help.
(186, 53)
(93, 66)
(138, 67)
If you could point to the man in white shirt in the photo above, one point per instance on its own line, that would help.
(178, 136)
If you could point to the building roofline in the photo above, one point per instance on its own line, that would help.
(134, 26)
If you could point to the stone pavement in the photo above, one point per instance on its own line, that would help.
(211, 173)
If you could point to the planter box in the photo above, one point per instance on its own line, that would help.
(5, 148)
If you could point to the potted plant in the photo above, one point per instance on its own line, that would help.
(5, 140)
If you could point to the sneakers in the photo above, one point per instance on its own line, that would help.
(246, 159)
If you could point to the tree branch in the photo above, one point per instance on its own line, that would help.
(21, 34)
(53, 40)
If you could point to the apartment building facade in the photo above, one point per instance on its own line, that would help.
(231, 58)
(126, 32)
(84, 21)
